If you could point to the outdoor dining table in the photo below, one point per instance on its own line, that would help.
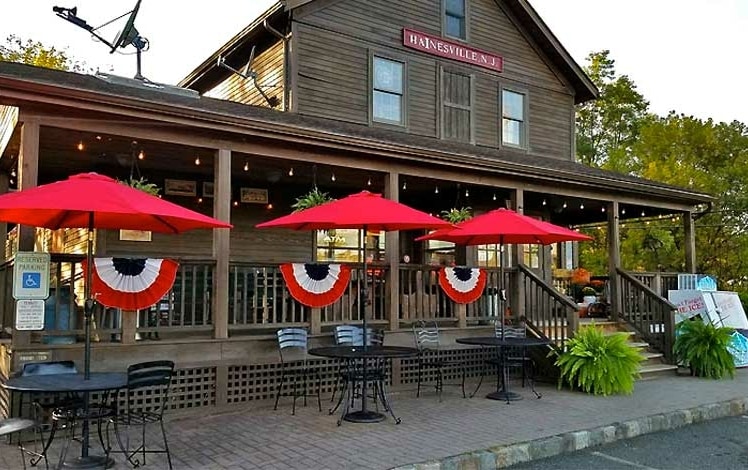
(72, 383)
(502, 391)
(365, 354)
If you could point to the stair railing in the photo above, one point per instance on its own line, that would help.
(547, 311)
(652, 316)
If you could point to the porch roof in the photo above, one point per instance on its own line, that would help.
(23, 85)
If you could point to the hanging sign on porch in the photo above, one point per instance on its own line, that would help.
(30, 315)
(462, 284)
(316, 285)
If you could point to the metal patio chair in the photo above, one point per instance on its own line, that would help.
(153, 378)
(350, 373)
(426, 336)
(292, 348)
(17, 425)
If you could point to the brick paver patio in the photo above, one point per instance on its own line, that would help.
(259, 438)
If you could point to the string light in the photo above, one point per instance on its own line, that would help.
(494, 196)
(642, 213)
(623, 211)
(368, 182)
(12, 182)
(603, 209)
(141, 155)
(246, 166)
(581, 206)
(236, 203)
(467, 193)
(13, 172)
(200, 200)
(332, 178)
(436, 190)
(544, 203)
(405, 185)
(98, 137)
(290, 172)
(80, 145)
(564, 206)
(197, 160)
(270, 206)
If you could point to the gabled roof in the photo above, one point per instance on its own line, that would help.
(208, 74)
(46, 85)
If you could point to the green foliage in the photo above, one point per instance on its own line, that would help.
(703, 347)
(589, 291)
(143, 185)
(35, 53)
(313, 198)
(598, 363)
(455, 216)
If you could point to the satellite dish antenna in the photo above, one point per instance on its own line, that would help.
(128, 36)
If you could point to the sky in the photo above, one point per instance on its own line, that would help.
(690, 56)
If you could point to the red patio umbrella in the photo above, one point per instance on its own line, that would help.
(93, 201)
(363, 211)
(505, 226)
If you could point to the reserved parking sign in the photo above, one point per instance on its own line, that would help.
(31, 275)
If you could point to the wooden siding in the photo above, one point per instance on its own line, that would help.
(247, 243)
(334, 42)
(8, 121)
(270, 69)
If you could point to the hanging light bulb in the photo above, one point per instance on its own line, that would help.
(332, 178)
(405, 185)
(564, 206)
(544, 203)
(141, 155)
(236, 203)
(246, 166)
(12, 182)
(270, 206)
(642, 213)
(13, 172)
(199, 200)
(581, 206)
(467, 193)
(494, 196)
(98, 137)
(436, 190)
(290, 172)
(80, 145)
(603, 209)
(197, 160)
(623, 211)
(368, 182)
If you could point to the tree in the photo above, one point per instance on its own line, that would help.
(609, 125)
(35, 53)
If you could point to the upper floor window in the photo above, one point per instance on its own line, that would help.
(387, 91)
(454, 19)
(457, 108)
(513, 118)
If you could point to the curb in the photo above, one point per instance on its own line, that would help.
(512, 454)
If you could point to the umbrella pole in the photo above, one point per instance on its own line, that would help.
(502, 295)
(88, 314)
(363, 313)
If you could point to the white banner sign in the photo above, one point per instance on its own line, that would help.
(30, 315)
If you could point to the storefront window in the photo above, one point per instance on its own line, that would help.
(346, 246)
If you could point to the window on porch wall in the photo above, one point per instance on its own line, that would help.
(346, 246)
(489, 256)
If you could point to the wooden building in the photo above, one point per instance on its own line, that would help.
(437, 104)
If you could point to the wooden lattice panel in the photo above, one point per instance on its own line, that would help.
(472, 359)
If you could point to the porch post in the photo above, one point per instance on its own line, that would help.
(4, 186)
(614, 258)
(517, 294)
(690, 241)
(392, 252)
(28, 176)
(221, 242)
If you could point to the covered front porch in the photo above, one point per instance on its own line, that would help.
(246, 165)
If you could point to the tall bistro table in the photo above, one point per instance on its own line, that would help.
(502, 391)
(63, 383)
(365, 354)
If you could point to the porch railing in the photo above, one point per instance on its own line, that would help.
(548, 311)
(350, 307)
(648, 313)
(487, 308)
(421, 298)
(659, 282)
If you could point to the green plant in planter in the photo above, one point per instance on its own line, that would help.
(143, 185)
(313, 198)
(589, 291)
(455, 216)
(703, 347)
(599, 364)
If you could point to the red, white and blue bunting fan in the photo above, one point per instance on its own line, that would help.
(461, 284)
(131, 283)
(316, 285)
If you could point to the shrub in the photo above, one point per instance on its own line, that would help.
(703, 347)
(599, 364)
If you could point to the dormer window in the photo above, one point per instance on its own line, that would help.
(454, 19)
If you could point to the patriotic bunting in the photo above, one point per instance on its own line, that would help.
(316, 285)
(131, 283)
(461, 284)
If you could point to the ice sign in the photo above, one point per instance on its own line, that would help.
(31, 275)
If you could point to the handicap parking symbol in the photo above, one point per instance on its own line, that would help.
(32, 280)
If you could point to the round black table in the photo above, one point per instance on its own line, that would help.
(61, 383)
(503, 393)
(352, 353)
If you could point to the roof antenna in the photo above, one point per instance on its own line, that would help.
(128, 36)
(248, 74)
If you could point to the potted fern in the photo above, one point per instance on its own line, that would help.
(143, 185)
(703, 348)
(313, 198)
(455, 216)
(598, 363)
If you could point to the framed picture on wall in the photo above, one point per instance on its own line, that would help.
(180, 188)
(254, 195)
(207, 189)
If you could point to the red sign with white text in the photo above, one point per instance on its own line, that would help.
(451, 50)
